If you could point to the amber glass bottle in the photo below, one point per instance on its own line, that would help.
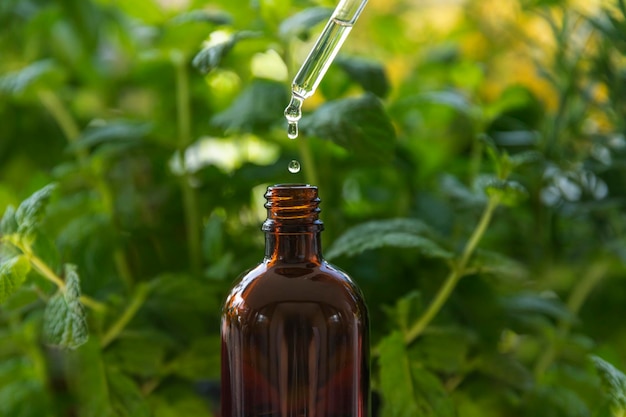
(295, 330)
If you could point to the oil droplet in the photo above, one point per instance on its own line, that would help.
(293, 113)
(294, 166)
(292, 130)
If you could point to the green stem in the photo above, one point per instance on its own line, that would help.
(575, 302)
(476, 159)
(45, 271)
(61, 115)
(310, 173)
(190, 197)
(114, 331)
(455, 275)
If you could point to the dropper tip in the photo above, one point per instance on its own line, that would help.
(293, 112)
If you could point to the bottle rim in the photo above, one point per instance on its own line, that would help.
(292, 208)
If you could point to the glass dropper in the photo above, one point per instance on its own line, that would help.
(319, 59)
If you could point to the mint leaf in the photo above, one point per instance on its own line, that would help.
(140, 356)
(299, 25)
(510, 193)
(40, 74)
(126, 397)
(614, 383)
(406, 310)
(409, 390)
(507, 369)
(201, 360)
(31, 211)
(23, 393)
(119, 131)
(12, 274)
(396, 383)
(260, 105)
(216, 17)
(498, 265)
(8, 224)
(368, 73)
(401, 233)
(65, 324)
(443, 349)
(216, 49)
(86, 376)
(454, 189)
(361, 125)
(525, 158)
(172, 402)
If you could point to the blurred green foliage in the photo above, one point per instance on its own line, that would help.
(471, 160)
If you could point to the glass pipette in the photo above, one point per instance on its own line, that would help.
(319, 59)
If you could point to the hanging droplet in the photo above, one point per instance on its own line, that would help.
(293, 113)
(292, 130)
(294, 166)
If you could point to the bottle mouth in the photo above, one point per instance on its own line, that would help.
(292, 208)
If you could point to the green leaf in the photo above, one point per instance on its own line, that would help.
(458, 192)
(555, 401)
(31, 211)
(140, 354)
(38, 75)
(507, 369)
(126, 397)
(173, 402)
(88, 381)
(216, 17)
(408, 390)
(498, 265)
(614, 383)
(401, 233)
(510, 193)
(65, 324)
(259, 106)
(300, 24)
(181, 304)
(442, 350)
(433, 399)
(525, 158)
(406, 310)
(22, 392)
(12, 274)
(396, 383)
(201, 361)
(216, 48)
(449, 98)
(368, 73)
(8, 224)
(525, 304)
(119, 131)
(359, 125)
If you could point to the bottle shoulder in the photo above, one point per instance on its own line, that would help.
(320, 283)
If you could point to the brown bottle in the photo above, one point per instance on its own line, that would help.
(295, 330)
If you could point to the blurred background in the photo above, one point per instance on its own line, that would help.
(470, 156)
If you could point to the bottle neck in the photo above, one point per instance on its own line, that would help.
(293, 247)
(292, 229)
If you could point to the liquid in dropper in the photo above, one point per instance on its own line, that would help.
(294, 166)
(293, 113)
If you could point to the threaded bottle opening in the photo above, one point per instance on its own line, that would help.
(292, 208)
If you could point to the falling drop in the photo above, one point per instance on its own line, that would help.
(292, 130)
(294, 166)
